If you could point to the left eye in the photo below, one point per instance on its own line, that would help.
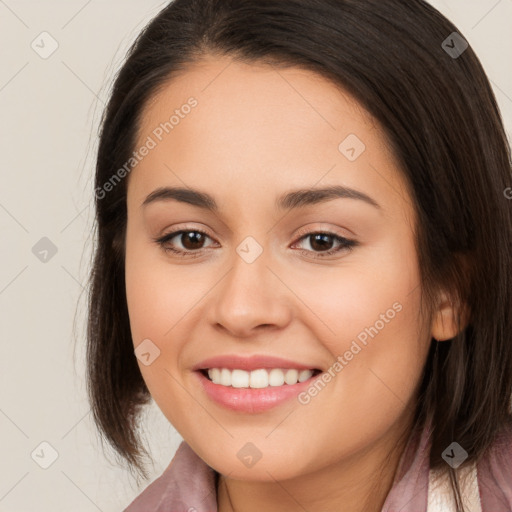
(320, 242)
(192, 243)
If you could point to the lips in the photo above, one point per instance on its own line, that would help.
(249, 400)
(254, 362)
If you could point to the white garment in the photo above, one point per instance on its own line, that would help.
(440, 495)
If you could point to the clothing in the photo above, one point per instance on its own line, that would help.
(440, 498)
(189, 484)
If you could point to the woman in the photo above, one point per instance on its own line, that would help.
(334, 331)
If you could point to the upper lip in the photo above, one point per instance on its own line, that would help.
(254, 362)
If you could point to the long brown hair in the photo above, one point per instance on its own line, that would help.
(440, 116)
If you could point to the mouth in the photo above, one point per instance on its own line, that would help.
(256, 391)
(257, 379)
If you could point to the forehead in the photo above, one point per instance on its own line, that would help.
(234, 94)
(260, 126)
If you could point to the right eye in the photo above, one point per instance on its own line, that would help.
(196, 239)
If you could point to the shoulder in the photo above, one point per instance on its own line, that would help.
(485, 485)
(495, 473)
(187, 485)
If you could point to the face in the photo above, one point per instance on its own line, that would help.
(330, 282)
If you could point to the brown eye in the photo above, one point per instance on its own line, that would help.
(319, 241)
(321, 244)
(191, 241)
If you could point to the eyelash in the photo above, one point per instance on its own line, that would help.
(345, 243)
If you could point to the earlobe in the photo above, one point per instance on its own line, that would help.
(444, 320)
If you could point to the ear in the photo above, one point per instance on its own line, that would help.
(444, 318)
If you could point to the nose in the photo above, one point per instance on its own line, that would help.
(250, 298)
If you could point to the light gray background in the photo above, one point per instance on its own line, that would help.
(50, 110)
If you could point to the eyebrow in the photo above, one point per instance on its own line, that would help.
(288, 201)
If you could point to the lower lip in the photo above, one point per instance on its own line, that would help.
(252, 400)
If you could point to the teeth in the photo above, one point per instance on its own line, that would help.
(261, 378)
(256, 379)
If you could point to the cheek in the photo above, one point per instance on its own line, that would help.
(158, 294)
(376, 286)
(160, 300)
(151, 315)
(367, 312)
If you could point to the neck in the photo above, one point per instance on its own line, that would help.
(360, 483)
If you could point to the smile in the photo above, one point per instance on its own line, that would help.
(260, 378)
(247, 399)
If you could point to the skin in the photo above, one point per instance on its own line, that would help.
(256, 133)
